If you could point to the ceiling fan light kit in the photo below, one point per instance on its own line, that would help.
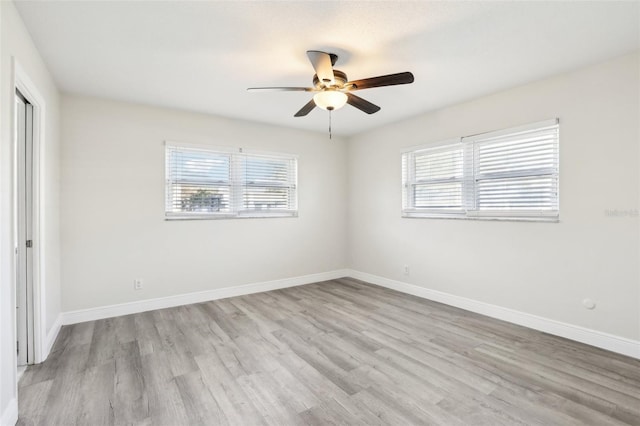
(330, 100)
(333, 89)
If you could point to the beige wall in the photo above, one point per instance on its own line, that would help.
(113, 207)
(17, 44)
(545, 269)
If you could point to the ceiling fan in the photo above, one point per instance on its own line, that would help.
(332, 88)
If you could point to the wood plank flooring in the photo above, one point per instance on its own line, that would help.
(336, 352)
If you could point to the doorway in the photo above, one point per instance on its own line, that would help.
(24, 134)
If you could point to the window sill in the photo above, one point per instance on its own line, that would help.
(265, 215)
(550, 219)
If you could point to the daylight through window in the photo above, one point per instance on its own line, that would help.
(206, 183)
(509, 174)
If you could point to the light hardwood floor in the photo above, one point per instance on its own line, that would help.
(336, 352)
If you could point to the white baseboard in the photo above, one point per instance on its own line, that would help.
(591, 337)
(74, 317)
(51, 337)
(10, 413)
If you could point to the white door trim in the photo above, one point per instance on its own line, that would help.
(29, 90)
(23, 199)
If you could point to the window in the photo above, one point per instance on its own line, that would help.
(509, 174)
(434, 180)
(203, 183)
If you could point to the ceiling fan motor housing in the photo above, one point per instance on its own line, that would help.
(339, 77)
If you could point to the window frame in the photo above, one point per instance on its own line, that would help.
(237, 184)
(410, 181)
(469, 146)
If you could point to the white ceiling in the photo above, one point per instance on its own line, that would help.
(201, 56)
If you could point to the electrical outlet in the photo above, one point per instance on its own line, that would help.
(137, 284)
(405, 270)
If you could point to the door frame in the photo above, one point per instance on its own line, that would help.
(29, 90)
(24, 223)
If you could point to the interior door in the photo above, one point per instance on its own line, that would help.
(24, 221)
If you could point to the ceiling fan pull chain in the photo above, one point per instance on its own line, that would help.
(329, 124)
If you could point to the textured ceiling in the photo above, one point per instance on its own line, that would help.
(201, 56)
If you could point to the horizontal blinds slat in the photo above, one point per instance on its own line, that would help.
(518, 193)
(266, 198)
(438, 196)
(535, 167)
(506, 135)
(492, 145)
(513, 159)
(198, 199)
(186, 165)
(489, 151)
(440, 164)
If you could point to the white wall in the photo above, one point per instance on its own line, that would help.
(16, 43)
(545, 269)
(113, 207)
(113, 191)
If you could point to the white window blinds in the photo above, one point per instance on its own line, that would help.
(512, 173)
(268, 183)
(205, 183)
(433, 179)
(198, 181)
(516, 171)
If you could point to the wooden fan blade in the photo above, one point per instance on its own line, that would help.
(362, 104)
(383, 80)
(281, 89)
(306, 109)
(321, 62)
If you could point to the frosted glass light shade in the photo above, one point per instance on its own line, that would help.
(330, 99)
